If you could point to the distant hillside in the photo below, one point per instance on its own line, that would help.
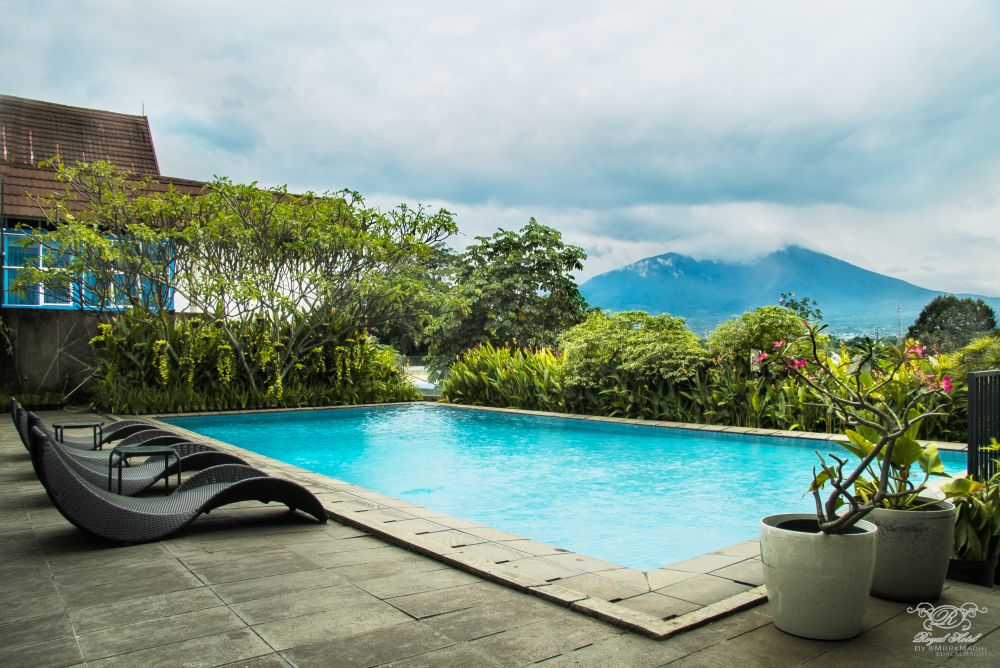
(853, 300)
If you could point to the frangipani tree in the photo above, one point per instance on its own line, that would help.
(882, 439)
(277, 275)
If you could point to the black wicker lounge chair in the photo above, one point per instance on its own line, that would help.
(102, 432)
(125, 519)
(134, 479)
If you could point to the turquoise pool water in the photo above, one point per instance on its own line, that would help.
(635, 495)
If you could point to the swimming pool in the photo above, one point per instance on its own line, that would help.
(639, 496)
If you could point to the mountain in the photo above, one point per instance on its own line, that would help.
(706, 292)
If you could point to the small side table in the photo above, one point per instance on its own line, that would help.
(125, 452)
(97, 430)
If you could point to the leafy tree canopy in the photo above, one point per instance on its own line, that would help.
(948, 322)
(757, 330)
(511, 287)
(287, 273)
(650, 348)
(804, 307)
(981, 355)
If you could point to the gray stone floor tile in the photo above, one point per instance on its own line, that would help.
(626, 650)
(133, 611)
(39, 629)
(491, 553)
(76, 581)
(213, 650)
(374, 555)
(541, 569)
(113, 592)
(629, 576)
(484, 620)
(766, 647)
(261, 610)
(703, 589)
(540, 641)
(658, 605)
(91, 554)
(347, 621)
(370, 648)
(750, 548)
(455, 656)
(28, 586)
(18, 541)
(706, 563)
(664, 577)
(748, 571)
(409, 565)
(719, 631)
(248, 590)
(532, 547)
(49, 654)
(266, 661)
(982, 654)
(413, 583)
(582, 562)
(155, 632)
(440, 601)
(253, 568)
(597, 587)
(849, 654)
(30, 607)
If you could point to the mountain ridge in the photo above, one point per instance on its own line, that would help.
(854, 300)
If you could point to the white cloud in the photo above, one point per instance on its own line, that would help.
(724, 129)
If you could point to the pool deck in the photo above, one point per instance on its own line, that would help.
(253, 585)
(658, 603)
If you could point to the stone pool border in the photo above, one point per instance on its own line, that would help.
(658, 603)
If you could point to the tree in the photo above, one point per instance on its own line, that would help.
(756, 331)
(948, 323)
(647, 348)
(805, 308)
(279, 276)
(511, 287)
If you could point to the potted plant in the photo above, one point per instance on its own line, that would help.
(977, 529)
(818, 569)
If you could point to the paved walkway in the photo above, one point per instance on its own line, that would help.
(253, 586)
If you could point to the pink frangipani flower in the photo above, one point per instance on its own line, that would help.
(778, 344)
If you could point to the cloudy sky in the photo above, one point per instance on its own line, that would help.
(723, 130)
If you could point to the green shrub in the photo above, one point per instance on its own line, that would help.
(652, 367)
(983, 354)
(756, 330)
(507, 377)
(137, 372)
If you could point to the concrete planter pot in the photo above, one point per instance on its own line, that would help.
(914, 547)
(817, 584)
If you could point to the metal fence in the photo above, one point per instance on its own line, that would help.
(984, 421)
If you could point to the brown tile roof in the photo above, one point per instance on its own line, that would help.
(44, 129)
(21, 183)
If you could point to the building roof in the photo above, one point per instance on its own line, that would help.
(33, 130)
(21, 184)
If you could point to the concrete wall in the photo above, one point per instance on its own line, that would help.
(51, 350)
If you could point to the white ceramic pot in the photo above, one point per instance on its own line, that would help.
(817, 584)
(914, 547)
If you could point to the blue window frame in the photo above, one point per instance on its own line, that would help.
(18, 255)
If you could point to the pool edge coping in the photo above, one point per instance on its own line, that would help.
(376, 514)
